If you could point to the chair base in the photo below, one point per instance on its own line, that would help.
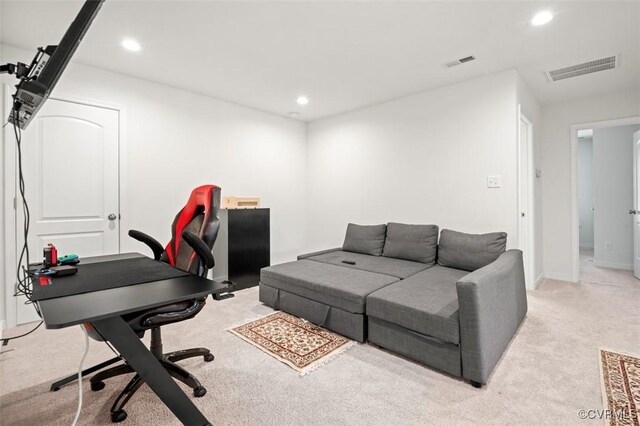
(168, 361)
(73, 377)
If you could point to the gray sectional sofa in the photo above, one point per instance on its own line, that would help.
(452, 303)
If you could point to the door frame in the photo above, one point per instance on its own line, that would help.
(530, 250)
(636, 204)
(8, 161)
(575, 213)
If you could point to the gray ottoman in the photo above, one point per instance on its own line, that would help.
(328, 295)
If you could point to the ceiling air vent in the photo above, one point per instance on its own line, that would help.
(460, 61)
(597, 65)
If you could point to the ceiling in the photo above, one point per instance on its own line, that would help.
(341, 55)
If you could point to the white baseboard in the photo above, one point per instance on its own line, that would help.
(538, 281)
(586, 246)
(557, 276)
(3, 325)
(613, 265)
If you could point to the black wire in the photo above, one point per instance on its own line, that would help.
(24, 284)
(6, 339)
(25, 206)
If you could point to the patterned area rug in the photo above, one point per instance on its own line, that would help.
(620, 376)
(300, 344)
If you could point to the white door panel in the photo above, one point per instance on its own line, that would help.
(87, 243)
(70, 164)
(61, 138)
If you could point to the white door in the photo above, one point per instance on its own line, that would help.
(70, 166)
(636, 204)
(526, 199)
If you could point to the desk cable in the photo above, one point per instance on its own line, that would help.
(23, 283)
(5, 340)
(84, 356)
(24, 277)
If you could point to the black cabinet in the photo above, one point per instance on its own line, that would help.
(243, 246)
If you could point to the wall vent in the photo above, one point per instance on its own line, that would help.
(460, 61)
(597, 65)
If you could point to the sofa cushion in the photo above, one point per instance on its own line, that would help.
(332, 285)
(470, 251)
(365, 239)
(379, 264)
(418, 243)
(426, 303)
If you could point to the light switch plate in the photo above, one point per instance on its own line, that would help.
(494, 181)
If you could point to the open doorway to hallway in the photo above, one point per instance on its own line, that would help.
(605, 174)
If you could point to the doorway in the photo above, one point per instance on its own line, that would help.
(603, 178)
(71, 170)
(586, 200)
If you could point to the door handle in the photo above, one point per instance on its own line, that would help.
(633, 211)
(112, 217)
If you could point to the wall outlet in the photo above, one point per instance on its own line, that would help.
(494, 181)
(608, 246)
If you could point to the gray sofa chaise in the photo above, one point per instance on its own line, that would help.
(452, 304)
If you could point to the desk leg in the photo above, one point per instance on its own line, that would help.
(118, 332)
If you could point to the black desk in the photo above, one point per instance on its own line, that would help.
(104, 309)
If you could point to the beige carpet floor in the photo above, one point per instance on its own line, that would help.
(589, 273)
(549, 372)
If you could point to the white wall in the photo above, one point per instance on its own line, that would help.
(419, 159)
(555, 144)
(585, 192)
(176, 140)
(613, 177)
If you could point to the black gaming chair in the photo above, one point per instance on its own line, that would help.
(193, 234)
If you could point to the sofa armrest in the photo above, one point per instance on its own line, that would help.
(492, 303)
(317, 253)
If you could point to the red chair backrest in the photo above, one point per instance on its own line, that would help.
(200, 216)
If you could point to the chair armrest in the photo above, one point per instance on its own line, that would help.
(317, 253)
(201, 248)
(151, 242)
(492, 303)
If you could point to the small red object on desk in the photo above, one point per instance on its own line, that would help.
(50, 255)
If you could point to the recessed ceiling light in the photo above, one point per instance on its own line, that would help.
(131, 44)
(302, 100)
(542, 18)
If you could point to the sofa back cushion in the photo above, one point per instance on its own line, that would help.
(418, 243)
(469, 251)
(365, 239)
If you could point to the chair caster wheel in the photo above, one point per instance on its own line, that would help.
(199, 391)
(118, 416)
(209, 357)
(476, 384)
(96, 386)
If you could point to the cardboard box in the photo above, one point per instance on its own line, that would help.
(240, 202)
